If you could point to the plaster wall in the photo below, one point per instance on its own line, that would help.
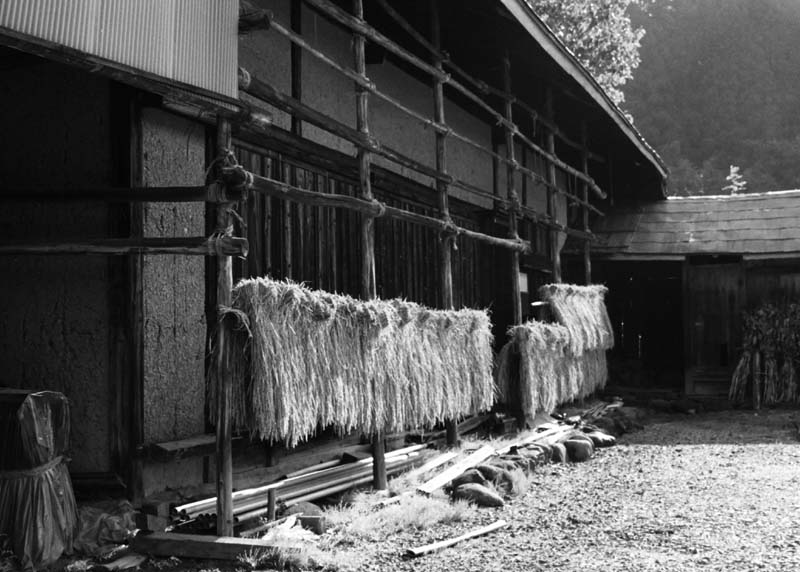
(174, 298)
(54, 310)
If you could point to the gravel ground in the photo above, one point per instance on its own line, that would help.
(719, 491)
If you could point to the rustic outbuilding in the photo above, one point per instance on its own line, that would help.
(682, 272)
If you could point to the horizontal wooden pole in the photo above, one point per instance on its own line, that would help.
(369, 86)
(228, 107)
(428, 548)
(269, 94)
(214, 193)
(202, 246)
(373, 208)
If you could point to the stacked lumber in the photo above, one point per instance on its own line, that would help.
(315, 483)
(544, 365)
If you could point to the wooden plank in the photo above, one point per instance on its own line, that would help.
(166, 544)
(451, 473)
(428, 548)
(437, 461)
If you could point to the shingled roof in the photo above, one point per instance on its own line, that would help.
(747, 224)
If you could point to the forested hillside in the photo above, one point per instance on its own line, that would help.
(719, 85)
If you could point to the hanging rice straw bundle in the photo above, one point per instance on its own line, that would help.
(301, 359)
(582, 310)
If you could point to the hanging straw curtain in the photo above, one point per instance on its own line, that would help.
(303, 359)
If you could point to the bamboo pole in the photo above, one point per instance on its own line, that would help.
(438, 125)
(555, 255)
(480, 85)
(224, 429)
(446, 239)
(358, 25)
(200, 246)
(368, 286)
(587, 245)
(511, 172)
(269, 94)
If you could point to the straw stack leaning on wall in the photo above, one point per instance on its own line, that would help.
(549, 364)
(304, 359)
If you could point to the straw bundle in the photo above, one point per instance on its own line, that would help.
(582, 310)
(547, 364)
(302, 359)
(771, 348)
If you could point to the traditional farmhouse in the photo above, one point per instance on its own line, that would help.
(154, 152)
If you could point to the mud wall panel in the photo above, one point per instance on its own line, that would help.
(54, 309)
(174, 286)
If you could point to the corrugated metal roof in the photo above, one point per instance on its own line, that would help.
(191, 41)
(757, 223)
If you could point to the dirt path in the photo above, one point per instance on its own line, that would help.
(711, 492)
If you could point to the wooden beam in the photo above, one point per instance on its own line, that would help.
(451, 473)
(212, 193)
(169, 544)
(200, 246)
(446, 239)
(555, 255)
(513, 197)
(223, 378)
(216, 103)
(368, 285)
(587, 245)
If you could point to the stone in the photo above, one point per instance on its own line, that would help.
(305, 508)
(601, 439)
(579, 450)
(559, 453)
(478, 494)
(468, 476)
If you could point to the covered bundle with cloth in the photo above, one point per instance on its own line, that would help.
(544, 364)
(37, 505)
(302, 359)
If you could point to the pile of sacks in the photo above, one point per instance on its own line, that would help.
(499, 478)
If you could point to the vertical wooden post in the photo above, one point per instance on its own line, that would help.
(446, 243)
(368, 287)
(551, 179)
(513, 197)
(224, 457)
(587, 245)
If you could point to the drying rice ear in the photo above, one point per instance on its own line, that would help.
(317, 359)
(582, 310)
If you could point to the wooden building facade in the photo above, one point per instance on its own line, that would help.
(435, 151)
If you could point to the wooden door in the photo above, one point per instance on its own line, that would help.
(713, 325)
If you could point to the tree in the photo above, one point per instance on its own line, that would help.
(600, 34)
(736, 183)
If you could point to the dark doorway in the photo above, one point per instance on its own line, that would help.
(644, 304)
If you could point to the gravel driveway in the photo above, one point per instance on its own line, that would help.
(719, 491)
